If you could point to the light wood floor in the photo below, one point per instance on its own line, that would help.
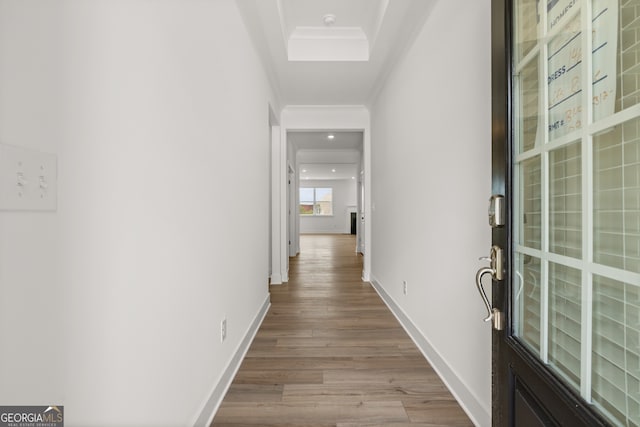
(330, 353)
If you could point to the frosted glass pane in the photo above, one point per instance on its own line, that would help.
(527, 26)
(616, 195)
(616, 352)
(629, 53)
(527, 300)
(528, 116)
(564, 83)
(565, 202)
(616, 57)
(565, 295)
(530, 218)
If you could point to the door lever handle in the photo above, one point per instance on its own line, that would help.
(483, 294)
(496, 271)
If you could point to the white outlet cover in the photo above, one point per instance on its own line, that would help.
(28, 179)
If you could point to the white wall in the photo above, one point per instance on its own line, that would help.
(344, 197)
(112, 305)
(431, 132)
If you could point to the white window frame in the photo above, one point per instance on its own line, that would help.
(315, 202)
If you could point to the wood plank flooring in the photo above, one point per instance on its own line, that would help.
(330, 353)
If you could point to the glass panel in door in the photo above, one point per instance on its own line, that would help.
(576, 249)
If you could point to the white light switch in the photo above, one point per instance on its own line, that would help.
(28, 179)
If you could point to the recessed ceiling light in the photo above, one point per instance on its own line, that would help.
(331, 136)
(353, 177)
(304, 170)
(329, 19)
(333, 170)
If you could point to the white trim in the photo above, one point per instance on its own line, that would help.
(292, 218)
(545, 179)
(544, 310)
(561, 141)
(630, 113)
(284, 207)
(586, 345)
(276, 209)
(367, 209)
(337, 118)
(529, 154)
(469, 402)
(600, 269)
(576, 263)
(220, 390)
(618, 274)
(275, 279)
(529, 251)
(586, 151)
(543, 71)
(527, 59)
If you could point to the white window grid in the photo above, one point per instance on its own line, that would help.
(536, 243)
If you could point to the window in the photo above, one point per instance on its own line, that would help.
(316, 201)
(577, 219)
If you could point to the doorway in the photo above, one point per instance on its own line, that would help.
(327, 165)
(353, 221)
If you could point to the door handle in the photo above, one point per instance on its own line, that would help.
(483, 294)
(495, 269)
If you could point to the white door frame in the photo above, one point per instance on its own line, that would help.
(292, 209)
(279, 260)
(315, 118)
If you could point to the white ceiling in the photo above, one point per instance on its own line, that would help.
(324, 171)
(349, 13)
(342, 64)
(319, 156)
(389, 26)
(314, 140)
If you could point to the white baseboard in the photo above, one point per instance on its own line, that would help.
(366, 277)
(220, 390)
(275, 279)
(467, 400)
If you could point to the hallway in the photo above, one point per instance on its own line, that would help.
(330, 353)
(154, 142)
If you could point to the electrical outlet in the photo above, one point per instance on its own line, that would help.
(28, 180)
(223, 329)
(404, 287)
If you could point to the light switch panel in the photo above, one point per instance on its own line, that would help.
(28, 179)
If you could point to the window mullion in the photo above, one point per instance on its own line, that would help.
(544, 192)
(587, 204)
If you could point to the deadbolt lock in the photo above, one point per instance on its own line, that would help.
(497, 262)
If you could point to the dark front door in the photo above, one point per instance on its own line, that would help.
(566, 158)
